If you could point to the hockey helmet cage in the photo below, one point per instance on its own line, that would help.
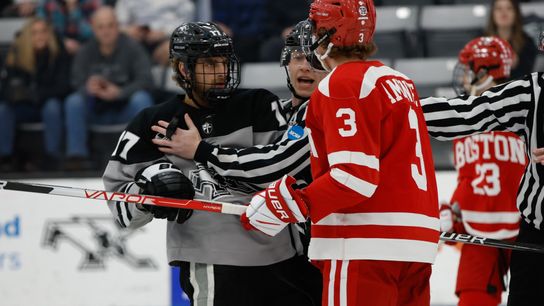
(194, 40)
(293, 43)
(486, 55)
(491, 53)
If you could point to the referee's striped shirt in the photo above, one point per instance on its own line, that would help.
(262, 165)
(516, 106)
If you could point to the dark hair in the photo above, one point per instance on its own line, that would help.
(177, 76)
(517, 40)
(361, 51)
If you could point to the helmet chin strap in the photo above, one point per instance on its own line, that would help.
(292, 88)
(322, 57)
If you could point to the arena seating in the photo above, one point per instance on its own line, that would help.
(446, 29)
(420, 38)
(396, 31)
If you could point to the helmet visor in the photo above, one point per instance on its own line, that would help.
(292, 54)
(309, 43)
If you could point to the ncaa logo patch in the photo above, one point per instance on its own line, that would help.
(295, 132)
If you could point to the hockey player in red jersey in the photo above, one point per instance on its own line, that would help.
(373, 199)
(490, 166)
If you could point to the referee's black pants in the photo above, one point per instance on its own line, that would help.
(527, 270)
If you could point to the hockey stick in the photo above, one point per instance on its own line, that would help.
(225, 208)
(211, 206)
(470, 239)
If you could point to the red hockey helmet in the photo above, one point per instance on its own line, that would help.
(491, 53)
(353, 21)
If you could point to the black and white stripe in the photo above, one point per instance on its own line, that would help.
(262, 165)
(516, 106)
(124, 216)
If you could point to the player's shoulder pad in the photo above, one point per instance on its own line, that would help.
(339, 84)
(151, 115)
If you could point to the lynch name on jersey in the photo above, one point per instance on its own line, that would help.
(400, 89)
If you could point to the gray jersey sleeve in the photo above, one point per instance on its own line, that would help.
(119, 177)
(133, 152)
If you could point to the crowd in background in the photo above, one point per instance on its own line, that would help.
(81, 62)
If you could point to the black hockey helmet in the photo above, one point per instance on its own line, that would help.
(292, 42)
(290, 50)
(193, 40)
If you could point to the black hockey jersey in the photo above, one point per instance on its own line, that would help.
(248, 118)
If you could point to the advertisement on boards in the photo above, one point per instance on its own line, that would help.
(67, 251)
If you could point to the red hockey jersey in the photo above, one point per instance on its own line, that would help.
(490, 167)
(374, 191)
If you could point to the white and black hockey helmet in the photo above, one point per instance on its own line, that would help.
(291, 49)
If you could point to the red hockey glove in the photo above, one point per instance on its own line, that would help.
(273, 208)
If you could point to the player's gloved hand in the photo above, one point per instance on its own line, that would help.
(273, 208)
(450, 219)
(166, 180)
(446, 218)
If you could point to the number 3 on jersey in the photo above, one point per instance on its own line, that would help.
(350, 128)
(419, 178)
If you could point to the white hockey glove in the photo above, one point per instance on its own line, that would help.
(273, 208)
(449, 216)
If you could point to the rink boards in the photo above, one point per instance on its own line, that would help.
(65, 251)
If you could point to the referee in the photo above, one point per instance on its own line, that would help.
(517, 106)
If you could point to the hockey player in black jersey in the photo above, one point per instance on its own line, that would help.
(261, 165)
(219, 260)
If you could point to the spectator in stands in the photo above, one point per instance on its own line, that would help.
(70, 18)
(505, 21)
(151, 22)
(34, 82)
(112, 74)
(19, 8)
(279, 23)
(244, 21)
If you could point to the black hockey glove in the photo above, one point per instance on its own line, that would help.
(166, 180)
